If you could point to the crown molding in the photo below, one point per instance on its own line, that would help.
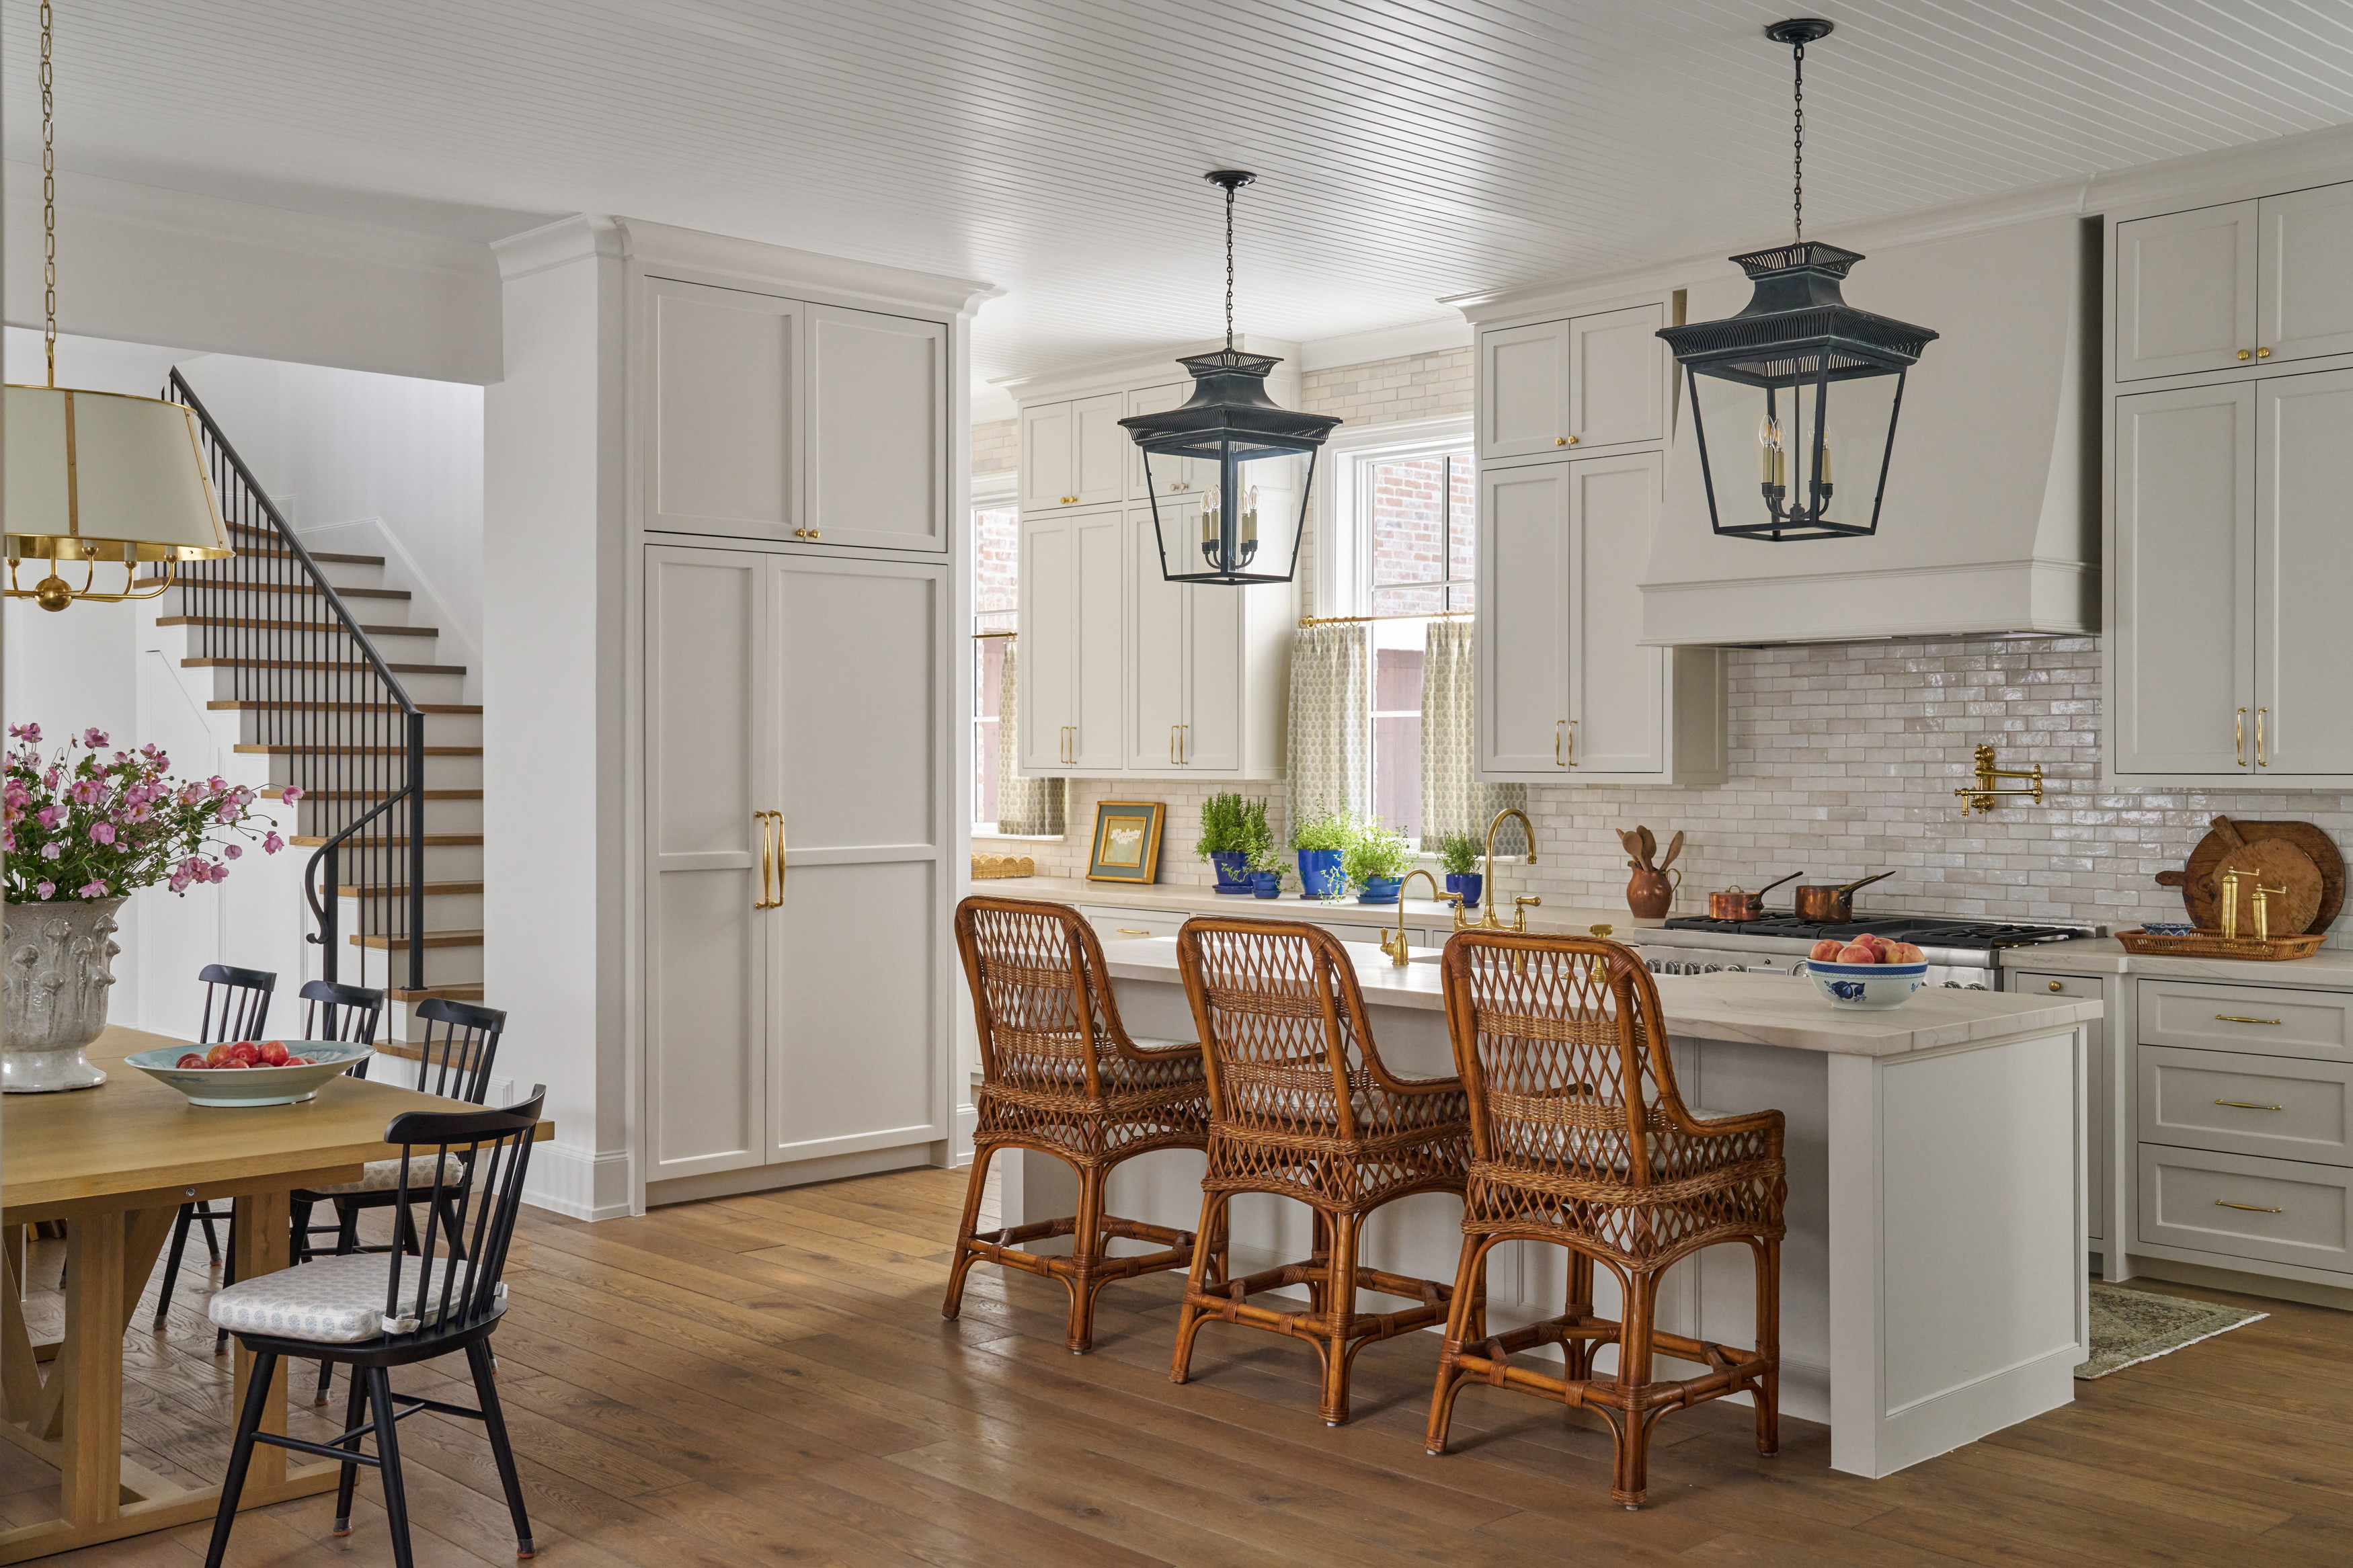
(1429, 337)
(1142, 369)
(557, 244)
(695, 256)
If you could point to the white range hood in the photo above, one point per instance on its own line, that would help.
(1991, 518)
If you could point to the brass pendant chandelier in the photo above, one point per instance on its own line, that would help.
(96, 476)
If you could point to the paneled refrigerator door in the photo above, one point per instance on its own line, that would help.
(878, 408)
(709, 773)
(723, 383)
(2303, 561)
(859, 1042)
(2186, 291)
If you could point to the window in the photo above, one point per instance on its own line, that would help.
(1414, 509)
(996, 573)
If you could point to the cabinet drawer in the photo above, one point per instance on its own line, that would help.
(2271, 1106)
(2087, 986)
(1123, 925)
(2275, 1211)
(2256, 1020)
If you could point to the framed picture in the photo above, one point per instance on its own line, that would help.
(1127, 841)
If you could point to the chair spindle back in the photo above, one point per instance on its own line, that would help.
(461, 1041)
(1040, 1004)
(468, 1229)
(237, 1002)
(349, 1014)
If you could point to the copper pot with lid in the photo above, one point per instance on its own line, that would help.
(1734, 904)
(1820, 902)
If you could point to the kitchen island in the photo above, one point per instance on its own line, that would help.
(1934, 1286)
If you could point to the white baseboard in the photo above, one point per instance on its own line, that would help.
(967, 1118)
(796, 1174)
(577, 1183)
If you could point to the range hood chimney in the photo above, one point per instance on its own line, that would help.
(1991, 520)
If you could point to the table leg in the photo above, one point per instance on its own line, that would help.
(91, 1366)
(20, 1374)
(260, 1248)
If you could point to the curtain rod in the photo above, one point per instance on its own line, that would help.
(1351, 620)
(977, 635)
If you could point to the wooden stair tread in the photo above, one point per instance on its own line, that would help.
(225, 587)
(322, 627)
(359, 751)
(278, 792)
(318, 664)
(432, 939)
(311, 841)
(432, 890)
(219, 703)
(275, 555)
(468, 991)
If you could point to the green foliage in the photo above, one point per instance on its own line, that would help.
(1460, 852)
(1225, 824)
(1324, 829)
(1376, 851)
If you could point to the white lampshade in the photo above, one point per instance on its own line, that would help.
(99, 476)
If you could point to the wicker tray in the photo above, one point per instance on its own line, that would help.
(2214, 945)
(987, 866)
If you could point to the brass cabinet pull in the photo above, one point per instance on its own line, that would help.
(1070, 500)
(2235, 1018)
(2244, 355)
(2258, 738)
(1131, 931)
(2238, 738)
(806, 533)
(2251, 1208)
(1184, 744)
(1557, 725)
(1572, 742)
(772, 858)
(2055, 985)
(2262, 353)
(2248, 1105)
(1560, 440)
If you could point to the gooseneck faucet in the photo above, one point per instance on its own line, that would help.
(1394, 943)
(1519, 906)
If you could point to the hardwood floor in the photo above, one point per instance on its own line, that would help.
(767, 1380)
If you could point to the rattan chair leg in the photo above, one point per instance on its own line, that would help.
(1580, 1353)
(1340, 1296)
(1630, 1474)
(1768, 1343)
(965, 1256)
(1470, 1297)
(1189, 1317)
(1086, 1258)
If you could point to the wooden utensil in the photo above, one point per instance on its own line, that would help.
(1633, 843)
(1675, 847)
(2197, 879)
(1649, 848)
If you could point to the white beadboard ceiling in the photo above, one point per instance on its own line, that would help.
(1408, 149)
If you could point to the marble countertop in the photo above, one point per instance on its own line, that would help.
(1180, 897)
(1764, 1009)
(2330, 969)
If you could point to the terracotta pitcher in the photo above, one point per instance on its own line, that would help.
(1649, 894)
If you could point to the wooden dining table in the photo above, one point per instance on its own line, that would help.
(114, 1163)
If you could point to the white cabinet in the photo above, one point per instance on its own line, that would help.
(1074, 636)
(2245, 283)
(2229, 635)
(776, 1030)
(2099, 1101)
(774, 418)
(1181, 476)
(1074, 453)
(1588, 381)
(1567, 692)
(1186, 696)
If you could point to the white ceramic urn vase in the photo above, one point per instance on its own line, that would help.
(58, 959)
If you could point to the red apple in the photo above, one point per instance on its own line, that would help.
(239, 1062)
(1858, 953)
(1826, 950)
(298, 1061)
(273, 1053)
(217, 1055)
(190, 1060)
(245, 1053)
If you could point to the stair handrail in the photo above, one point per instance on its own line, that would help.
(319, 874)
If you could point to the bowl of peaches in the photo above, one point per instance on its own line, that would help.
(239, 1073)
(1866, 971)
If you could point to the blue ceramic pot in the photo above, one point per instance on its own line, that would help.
(1267, 884)
(1319, 874)
(1468, 884)
(1233, 870)
(1379, 890)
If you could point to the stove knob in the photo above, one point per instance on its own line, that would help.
(1952, 985)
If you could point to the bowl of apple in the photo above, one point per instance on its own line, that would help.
(239, 1073)
(1866, 971)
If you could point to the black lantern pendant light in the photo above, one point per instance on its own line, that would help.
(1796, 337)
(1229, 493)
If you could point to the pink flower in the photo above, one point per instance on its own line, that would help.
(191, 794)
(102, 833)
(291, 792)
(139, 812)
(46, 889)
(271, 844)
(51, 815)
(91, 889)
(7, 838)
(88, 792)
(232, 851)
(31, 735)
(178, 884)
(54, 777)
(220, 874)
(52, 850)
(227, 813)
(93, 736)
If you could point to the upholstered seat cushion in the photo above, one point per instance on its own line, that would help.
(335, 1301)
(383, 1176)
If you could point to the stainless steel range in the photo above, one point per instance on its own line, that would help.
(1961, 953)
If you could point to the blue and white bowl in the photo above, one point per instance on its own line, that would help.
(231, 1087)
(1871, 986)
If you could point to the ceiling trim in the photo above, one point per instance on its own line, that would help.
(1428, 337)
(660, 248)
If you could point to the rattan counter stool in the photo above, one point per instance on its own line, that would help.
(1301, 1107)
(1579, 1138)
(1061, 1076)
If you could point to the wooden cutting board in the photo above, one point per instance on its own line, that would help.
(2254, 846)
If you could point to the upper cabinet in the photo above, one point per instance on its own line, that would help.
(784, 419)
(1585, 381)
(1074, 453)
(2245, 283)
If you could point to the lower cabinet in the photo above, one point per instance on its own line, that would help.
(798, 878)
(2100, 1108)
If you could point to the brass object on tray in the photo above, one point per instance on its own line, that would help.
(985, 867)
(2214, 945)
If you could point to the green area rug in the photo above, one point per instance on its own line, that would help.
(2133, 1326)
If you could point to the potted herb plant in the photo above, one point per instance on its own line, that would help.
(1459, 853)
(1377, 862)
(1230, 827)
(82, 831)
(1266, 869)
(1321, 839)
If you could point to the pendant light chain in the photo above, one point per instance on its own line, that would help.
(1798, 158)
(1230, 262)
(49, 205)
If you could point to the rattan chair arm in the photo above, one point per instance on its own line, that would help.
(1414, 1085)
(1770, 1122)
(1135, 1052)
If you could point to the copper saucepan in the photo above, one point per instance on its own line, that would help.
(1818, 901)
(1733, 904)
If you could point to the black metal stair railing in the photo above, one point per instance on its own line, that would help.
(313, 692)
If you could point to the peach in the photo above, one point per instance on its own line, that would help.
(1904, 952)
(1826, 950)
(1858, 953)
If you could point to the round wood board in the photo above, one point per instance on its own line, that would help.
(2196, 878)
